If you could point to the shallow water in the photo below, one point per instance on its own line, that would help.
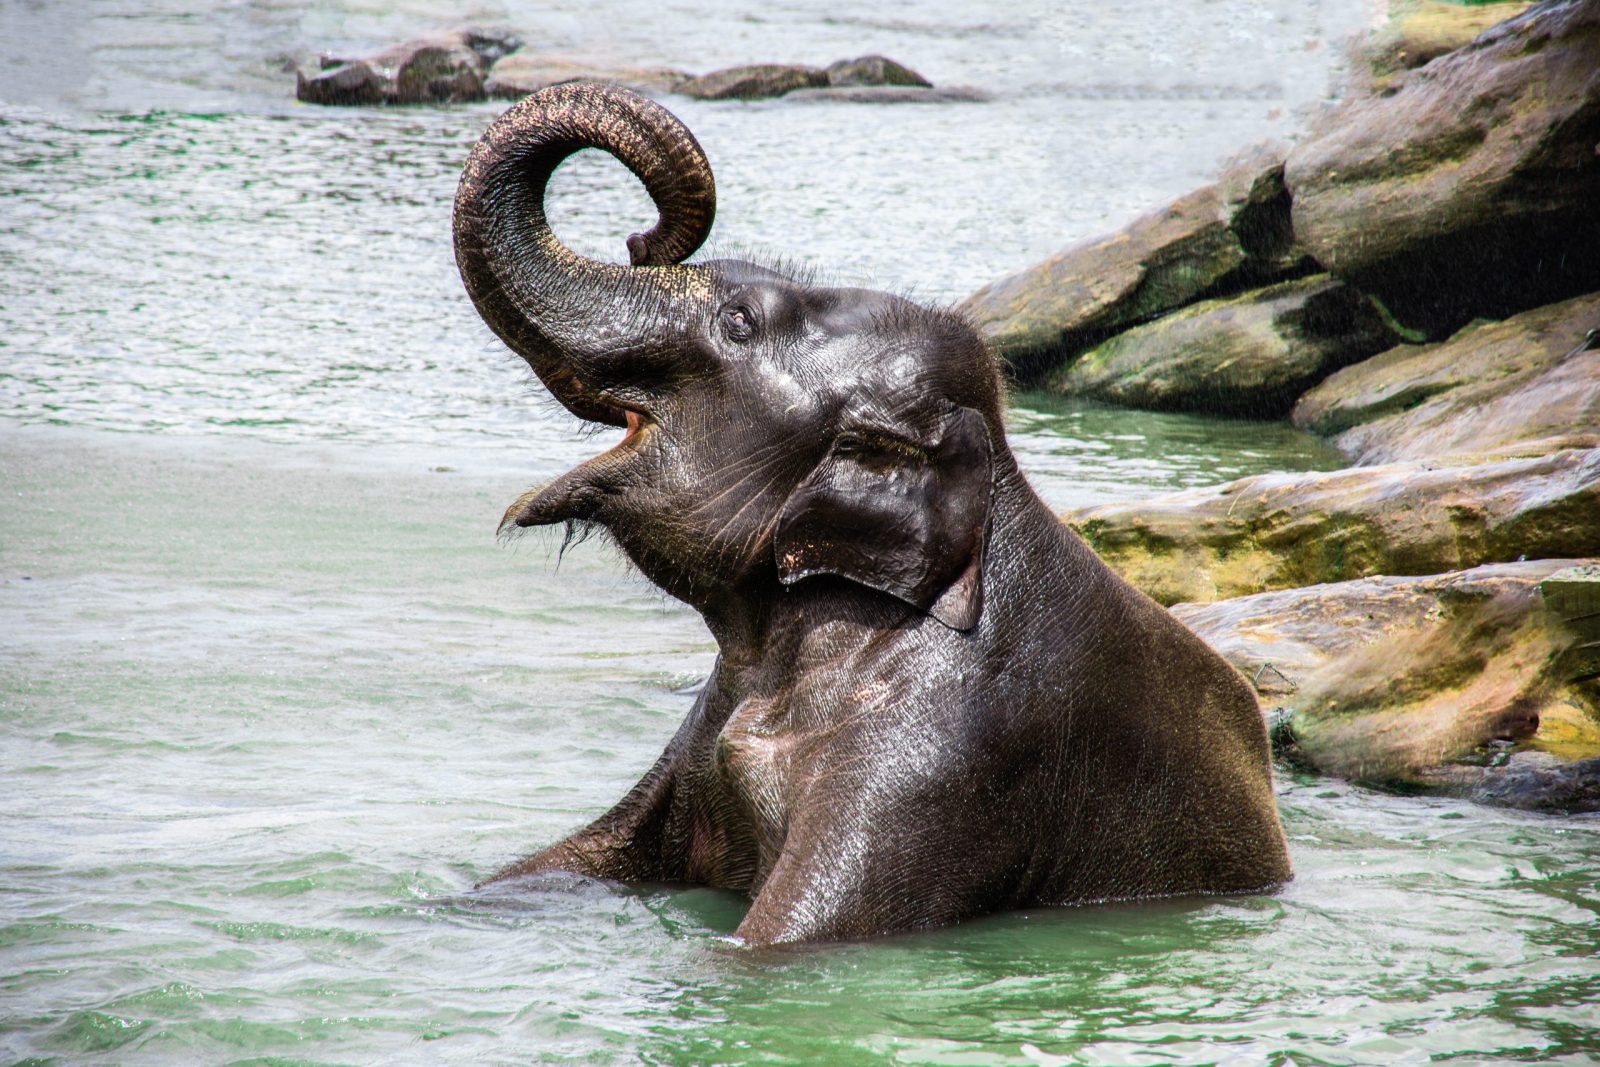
(272, 697)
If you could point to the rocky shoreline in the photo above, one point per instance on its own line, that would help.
(1418, 281)
(472, 64)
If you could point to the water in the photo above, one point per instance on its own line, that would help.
(272, 698)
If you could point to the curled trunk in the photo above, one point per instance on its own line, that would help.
(569, 316)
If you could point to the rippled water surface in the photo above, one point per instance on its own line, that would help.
(272, 697)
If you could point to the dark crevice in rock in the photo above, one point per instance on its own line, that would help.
(1263, 224)
(1489, 271)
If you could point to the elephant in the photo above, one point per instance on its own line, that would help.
(931, 700)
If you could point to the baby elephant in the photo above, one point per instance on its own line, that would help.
(932, 699)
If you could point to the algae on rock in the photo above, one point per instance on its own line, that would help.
(1470, 187)
(1277, 531)
(1455, 683)
(1219, 239)
(1249, 355)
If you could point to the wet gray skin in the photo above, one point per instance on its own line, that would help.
(931, 701)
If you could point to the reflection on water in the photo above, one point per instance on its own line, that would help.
(272, 698)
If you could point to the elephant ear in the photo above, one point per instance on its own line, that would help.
(903, 516)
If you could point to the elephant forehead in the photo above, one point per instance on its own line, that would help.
(774, 389)
(891, 374)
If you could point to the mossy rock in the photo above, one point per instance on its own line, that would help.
(1419, 31)
(1220, 239)
(873, 70)
(1452, 683)
(1469, 187)
(1529, 384)
(1279, 531)
(1251, 355)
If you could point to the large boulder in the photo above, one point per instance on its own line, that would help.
(1277, 531)
(520, 73)
(449, 68)
(1528, 384)
(1460, 683)
(1217, 240)
(1249, 355)
(756, 81)
(1471, 187)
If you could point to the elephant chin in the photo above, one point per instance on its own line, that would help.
(581, 493)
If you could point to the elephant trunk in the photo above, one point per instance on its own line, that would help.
(575, 320)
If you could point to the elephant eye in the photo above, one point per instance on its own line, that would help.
(878, 449)
(738, 323)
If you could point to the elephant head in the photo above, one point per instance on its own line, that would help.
(776, 430)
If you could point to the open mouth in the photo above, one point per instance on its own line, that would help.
(635, 422)
(593, 405)
(597, 407)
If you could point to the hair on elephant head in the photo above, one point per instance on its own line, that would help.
(932, 700)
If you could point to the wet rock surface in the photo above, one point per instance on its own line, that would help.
(1469, 187)
(1250, 355)
(1456, 683)
(1278, 531)
(755, 81)
(1530, 383)
(873, 70)
(448, 68)
(470, 64)
(1217, 240)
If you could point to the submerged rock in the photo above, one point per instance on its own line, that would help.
(1216, 240)
(449, 68)
(521, 73)
(890, 94)
(468, 64)
(753, 82)
(869, 79)
(1456, 683)
(1276, 531)
(1250, 355)
(1527, 384)
(1471, 187)
(873, 70)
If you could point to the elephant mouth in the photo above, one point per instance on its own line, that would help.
(595, 405)
(579, 493)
